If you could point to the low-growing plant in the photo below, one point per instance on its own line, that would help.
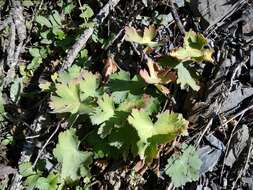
(122, 112)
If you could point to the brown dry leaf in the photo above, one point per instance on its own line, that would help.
(156, 74)
(110, 66)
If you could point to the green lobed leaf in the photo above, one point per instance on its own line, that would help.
(193, 48)
(148, 35)
(25, 169)
(184, 77)
(120, 85)
(71, 159)
(31, 181)
(43, 21)
(89, 85)
(68, 8)
(87, 12)
(104, 111)
(184, 167)
(47, 183)
(75, 89)
(69, 75)
(67, 99)
(164, 130)
(34, 179)
(148, 103)
(35, 52)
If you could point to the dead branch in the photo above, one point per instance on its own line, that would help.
(176, 16)
(12, 45)
(19, 20)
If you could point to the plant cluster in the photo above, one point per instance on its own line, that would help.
(121, 112)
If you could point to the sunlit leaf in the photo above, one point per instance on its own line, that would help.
(146, 39)
(158, 76)
(35, 52)
(47, 183)
(164, 130)
(110, 66)
(89, 85)
(74, 90)
(87, 12)
(104, 111)
(193, 48)
(68, 8)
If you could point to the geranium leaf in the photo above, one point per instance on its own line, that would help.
(146, 102)
(104, 111)
(43, 21)
(110, 66)
(164, 130)
(156, 74)
(66, 76)
(183, 168)
(75, 89)
(89, 85)
(47, 183)
(193, 48)
(71, 159)
(120, 85)
(149, 34)
(185, 78)
(67, 99)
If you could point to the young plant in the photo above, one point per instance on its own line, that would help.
(119, 109)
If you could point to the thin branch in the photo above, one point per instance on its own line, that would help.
(228, 144)
(237, 115)
(176, 16)
(81, 42)
(45, 145)
(19, 21)
(12, 45)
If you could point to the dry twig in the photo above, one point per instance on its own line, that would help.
(176, 16)
(45, 145)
